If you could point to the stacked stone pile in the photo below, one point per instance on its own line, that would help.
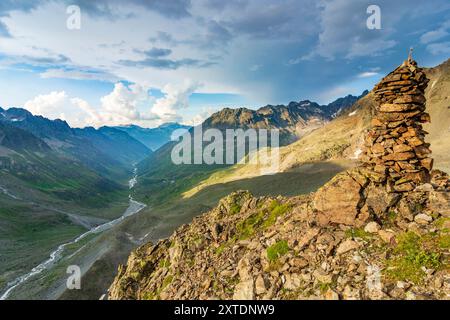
(396, 152)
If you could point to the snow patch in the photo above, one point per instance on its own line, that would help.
(353, 113)
(432, 85)
(334, 115)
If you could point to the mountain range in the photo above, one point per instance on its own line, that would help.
(161, 180)
(153, 138)
(57, 182)
(80, 173)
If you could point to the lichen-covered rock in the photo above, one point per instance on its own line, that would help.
(440, 202)
(379, 200)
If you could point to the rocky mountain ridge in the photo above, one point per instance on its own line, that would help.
(293, 120)
(104, 146)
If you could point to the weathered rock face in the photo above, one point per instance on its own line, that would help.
(395, 148)
(278, 248)
(339, 200)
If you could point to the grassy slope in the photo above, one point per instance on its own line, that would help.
(61, 179)
(27, 235)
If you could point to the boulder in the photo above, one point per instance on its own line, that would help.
(440, 202)
(423, 219)
(339, 199)
(379, 200)
(372, 227)
(260, 285)
(346, 246)
(244, 290)
(387, 236)
(399, 156)
(410, 99)
(395, 107)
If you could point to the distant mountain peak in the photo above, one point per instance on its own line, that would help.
(291, 119)
(169, 124)
(153, 138)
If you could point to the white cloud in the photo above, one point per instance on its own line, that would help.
(124, 105)
(88, 117)
(124, 101)
(295, 61)
(433, 35)
(367, 74)
(176, 98)
(199, 118)
(439, 48)
(58, 105)
(437, 34)
(59, 73)
(48, 104)
(430, 37)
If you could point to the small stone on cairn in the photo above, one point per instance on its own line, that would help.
(396, 153)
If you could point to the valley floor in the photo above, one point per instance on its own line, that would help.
(37, 231)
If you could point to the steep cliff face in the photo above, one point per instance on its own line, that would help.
(360, 236)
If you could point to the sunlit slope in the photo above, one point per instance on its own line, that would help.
(338, 139)
(438, 106)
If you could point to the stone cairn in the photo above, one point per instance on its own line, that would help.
(396, 153)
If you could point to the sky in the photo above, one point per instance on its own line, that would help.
(148, 62)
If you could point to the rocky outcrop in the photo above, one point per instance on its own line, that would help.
(279, 248)
(339, 201)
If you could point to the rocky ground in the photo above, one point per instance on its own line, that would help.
(350, 240)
